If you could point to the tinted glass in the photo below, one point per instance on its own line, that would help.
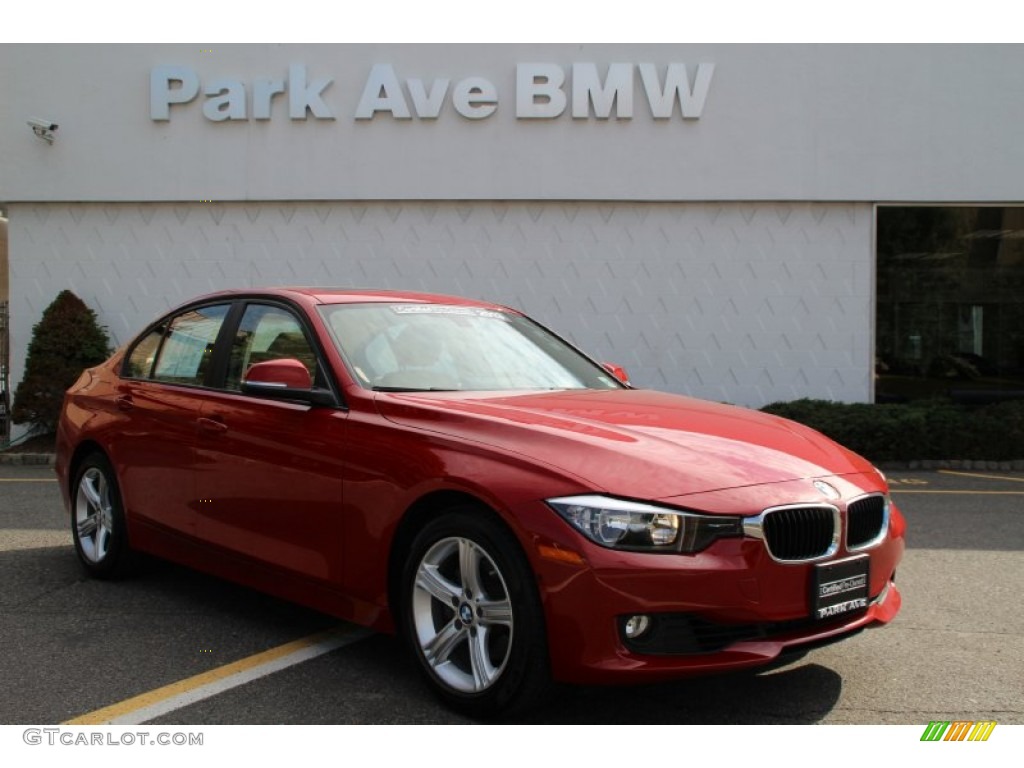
(950, 312)
(188, 346)
(268, 333)
(140, 361)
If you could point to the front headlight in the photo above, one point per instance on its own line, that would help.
(631, 525)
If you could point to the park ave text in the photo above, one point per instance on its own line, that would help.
(543, 91)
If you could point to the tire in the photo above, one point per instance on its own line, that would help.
(97, 520)
(472, 617)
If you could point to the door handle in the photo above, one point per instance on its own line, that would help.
(124, 402)
(212, 426)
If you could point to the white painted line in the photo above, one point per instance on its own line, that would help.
(147, 706)
(12, 539)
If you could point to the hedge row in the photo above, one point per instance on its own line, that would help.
(917, 430)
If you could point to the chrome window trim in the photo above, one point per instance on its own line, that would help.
(753, 527)
(883, 530)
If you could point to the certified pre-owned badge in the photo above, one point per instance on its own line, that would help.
(840, 587)
(826, 490)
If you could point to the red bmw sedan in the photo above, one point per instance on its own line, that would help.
(453, 471)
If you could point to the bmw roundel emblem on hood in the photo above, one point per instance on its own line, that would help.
(826, 490)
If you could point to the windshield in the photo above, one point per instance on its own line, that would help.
(417, 347)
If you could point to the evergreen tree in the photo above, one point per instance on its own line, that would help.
(67, 340)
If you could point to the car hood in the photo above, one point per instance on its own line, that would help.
(634, 443)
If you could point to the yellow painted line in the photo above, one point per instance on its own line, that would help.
(147, 706)
(986, 477)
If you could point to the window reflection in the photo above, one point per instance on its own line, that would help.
(950, 308)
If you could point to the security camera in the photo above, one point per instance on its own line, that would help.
(44, 125)
(43, 129)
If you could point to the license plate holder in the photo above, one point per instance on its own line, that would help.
(840, 588)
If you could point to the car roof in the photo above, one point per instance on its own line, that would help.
(322, 295)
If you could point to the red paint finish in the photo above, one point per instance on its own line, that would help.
(314, 502)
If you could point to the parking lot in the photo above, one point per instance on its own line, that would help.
(203, 651)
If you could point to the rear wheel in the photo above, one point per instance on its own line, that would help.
(97, 519)
(471, 614)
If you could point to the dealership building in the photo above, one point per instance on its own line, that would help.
(745, 223)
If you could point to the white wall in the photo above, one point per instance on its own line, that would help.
(780, 122)
(728, 256)
(748, 303)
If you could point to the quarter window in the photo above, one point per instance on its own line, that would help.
(140, 362)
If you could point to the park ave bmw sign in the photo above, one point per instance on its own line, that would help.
(543, 91)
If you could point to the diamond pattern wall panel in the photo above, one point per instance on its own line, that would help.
(743, 302)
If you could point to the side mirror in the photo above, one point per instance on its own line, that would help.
(618, 372)
(284, 379)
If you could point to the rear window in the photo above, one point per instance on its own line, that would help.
(178, 351)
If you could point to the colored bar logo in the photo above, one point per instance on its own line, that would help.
(958, 730)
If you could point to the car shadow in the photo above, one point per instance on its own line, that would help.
(155, 627)
(799, 695)
(803, 693)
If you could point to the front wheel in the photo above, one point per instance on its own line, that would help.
(97, 519)
(471, 614)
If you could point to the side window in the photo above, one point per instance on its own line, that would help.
(187, 347)
(268, 333)
(142, 357)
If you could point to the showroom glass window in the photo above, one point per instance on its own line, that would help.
(950, 307)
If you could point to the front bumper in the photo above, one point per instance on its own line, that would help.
(729, 607)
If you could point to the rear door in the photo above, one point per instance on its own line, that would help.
(160, 393)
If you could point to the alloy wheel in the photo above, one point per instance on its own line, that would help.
(462, 615)
(94, 515)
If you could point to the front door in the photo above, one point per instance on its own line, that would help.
(269, 472)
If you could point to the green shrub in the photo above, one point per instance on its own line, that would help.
(65, 341)
(925, 429)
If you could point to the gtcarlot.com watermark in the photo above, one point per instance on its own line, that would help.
(76, 737)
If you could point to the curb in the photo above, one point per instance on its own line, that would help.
(28, 459)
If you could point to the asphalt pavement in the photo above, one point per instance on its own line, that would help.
(73, 646)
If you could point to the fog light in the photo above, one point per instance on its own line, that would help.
(636, 626)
